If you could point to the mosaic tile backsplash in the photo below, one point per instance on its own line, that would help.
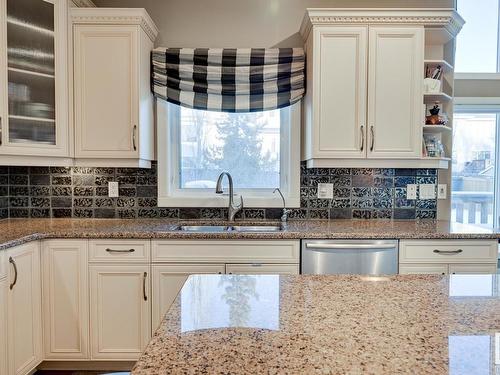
(42, 192)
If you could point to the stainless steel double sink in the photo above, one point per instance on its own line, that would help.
(229, 228)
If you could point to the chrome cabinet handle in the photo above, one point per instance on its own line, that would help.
(447, 252)
(119, 251)
(362, 129)
(373, 138)
(144, 277)
(134, 131)
(13, 262)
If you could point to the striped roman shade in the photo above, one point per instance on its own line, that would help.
(229, 80)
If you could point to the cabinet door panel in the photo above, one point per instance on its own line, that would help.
(65, 295)
(3, 326)
(106, 115)
(395, 92)
(262, 269)
(340, 72)
(24, 309)
(120, 316)
(168, 280)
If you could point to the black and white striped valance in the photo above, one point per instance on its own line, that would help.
(229, 80)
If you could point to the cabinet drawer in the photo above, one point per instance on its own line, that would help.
(226, 251)
(126, 251)
(448, 251)
(472, 268)
(415, 269)
(262, 269)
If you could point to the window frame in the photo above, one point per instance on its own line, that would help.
(485, 105)
(169, 195)
(484, 75)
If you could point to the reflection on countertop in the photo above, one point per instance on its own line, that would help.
(17, 231)
(419, 324)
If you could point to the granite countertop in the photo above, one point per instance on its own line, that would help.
(17, 231)
(266, 324)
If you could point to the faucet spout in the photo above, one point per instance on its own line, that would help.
(233, 208)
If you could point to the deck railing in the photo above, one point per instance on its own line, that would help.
(470, 207)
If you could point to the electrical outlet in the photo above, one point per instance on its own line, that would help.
(112, 189)
(411, 191)
(325, 191)
(442, 191)
(427, 191)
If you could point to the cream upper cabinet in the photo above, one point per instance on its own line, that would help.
(65, 299)
(33, 81)
(113, 103)
(120, 311)
(24, 312)
(338, 89)
(395, 92)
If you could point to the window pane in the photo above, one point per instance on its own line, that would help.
(473, 174)
(477, 46)
(247, 145)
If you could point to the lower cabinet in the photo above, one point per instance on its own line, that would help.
(168, 280)
(3, 325)
(65, 299)
(472, 268)
(120, 312)
(24, 311)
(411, 269)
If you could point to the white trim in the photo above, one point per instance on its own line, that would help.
(439, 163)
(290, 170)
(477, 76)
(464, 104)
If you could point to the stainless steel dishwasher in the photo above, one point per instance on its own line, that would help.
(363, 257)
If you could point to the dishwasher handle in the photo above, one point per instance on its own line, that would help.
(341, 246)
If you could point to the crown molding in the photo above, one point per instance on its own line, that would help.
(84, 3)
(446, 19)
(116, 16)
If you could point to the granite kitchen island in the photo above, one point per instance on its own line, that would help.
(415, 324)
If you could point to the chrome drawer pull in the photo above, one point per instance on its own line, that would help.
(144, 286)
(119, 251)
(13, 262)
(349, 246)
(447, 252)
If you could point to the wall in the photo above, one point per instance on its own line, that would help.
(41, 192)
(477, 88)
(244, 23)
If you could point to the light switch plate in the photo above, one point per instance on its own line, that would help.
(325, 191)
(411, 191)
(442, 191)
(112, 189)
(427, 191)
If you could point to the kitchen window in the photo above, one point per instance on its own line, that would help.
(478, 42)
(259, 149)
(475, 192)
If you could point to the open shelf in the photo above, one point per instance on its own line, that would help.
(443, 63)
(437, 128)
(437, 97)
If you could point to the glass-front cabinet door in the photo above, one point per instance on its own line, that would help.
(33, 72)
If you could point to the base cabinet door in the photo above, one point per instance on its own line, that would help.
(24, 310)
(3, 326)
(65, 296)
(120, 313)
(262, 269)
(435, 269)
(472, 268)
(168, 280)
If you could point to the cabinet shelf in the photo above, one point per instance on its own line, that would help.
(31, 72)
(437, 128)
(37, 119)
(437, 97)
(443, 63)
